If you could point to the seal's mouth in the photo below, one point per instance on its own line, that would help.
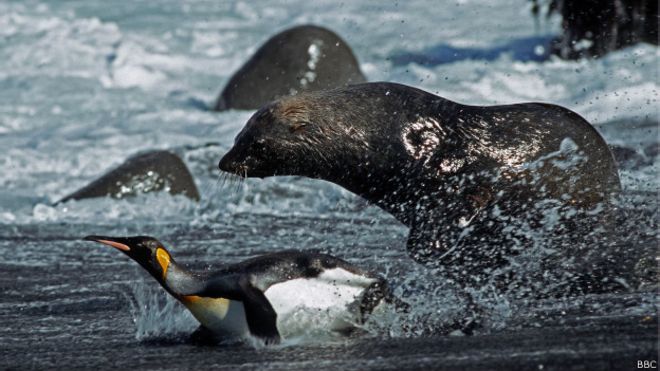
(240, 170)
(228, 165)
(236, 168)
(237, 163)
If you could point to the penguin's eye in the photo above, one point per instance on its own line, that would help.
(152, 244)
(298, 126)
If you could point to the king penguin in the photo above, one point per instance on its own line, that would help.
(247, 298)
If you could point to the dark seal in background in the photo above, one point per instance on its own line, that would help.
(152, 171)
(298, 59)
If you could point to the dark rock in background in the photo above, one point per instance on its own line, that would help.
(592, 28)
(152, 171)
(300, 58)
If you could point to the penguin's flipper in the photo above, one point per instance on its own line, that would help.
(259, 314)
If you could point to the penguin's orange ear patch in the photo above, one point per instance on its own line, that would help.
(163, 258)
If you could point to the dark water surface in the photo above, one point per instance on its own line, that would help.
(74, 304)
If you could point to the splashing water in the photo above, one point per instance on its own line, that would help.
(157, 315)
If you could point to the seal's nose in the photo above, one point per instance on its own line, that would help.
(224, 164)
(230, 164)
(234, 162)
(228, 161)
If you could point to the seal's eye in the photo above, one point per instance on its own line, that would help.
(298, 126)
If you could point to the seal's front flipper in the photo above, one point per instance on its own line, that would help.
(400, 305)
(376, 293)
(436, 238)
(431, 245)
(259, 314)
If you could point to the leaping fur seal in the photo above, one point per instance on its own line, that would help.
(442, 168)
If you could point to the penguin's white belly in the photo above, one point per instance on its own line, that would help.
(222, 316)
(327, 302)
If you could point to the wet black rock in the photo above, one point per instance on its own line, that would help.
(593, 28)
(153, 171)
(294, 60)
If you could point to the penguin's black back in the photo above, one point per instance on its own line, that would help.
(269, 269)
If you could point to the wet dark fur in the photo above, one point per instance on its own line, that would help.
(442, 168)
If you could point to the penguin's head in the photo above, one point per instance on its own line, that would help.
(147, 251)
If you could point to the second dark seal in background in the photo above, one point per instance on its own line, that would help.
(303, 58)
(152, 171)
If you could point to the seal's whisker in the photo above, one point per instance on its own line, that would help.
(205, 190)
(225, 176)
(211, 187)
(216, 186)
(232, 181)
(239, 183)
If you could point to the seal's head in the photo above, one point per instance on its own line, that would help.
(299, 135)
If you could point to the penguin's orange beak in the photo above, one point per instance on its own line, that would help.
(117, 243)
